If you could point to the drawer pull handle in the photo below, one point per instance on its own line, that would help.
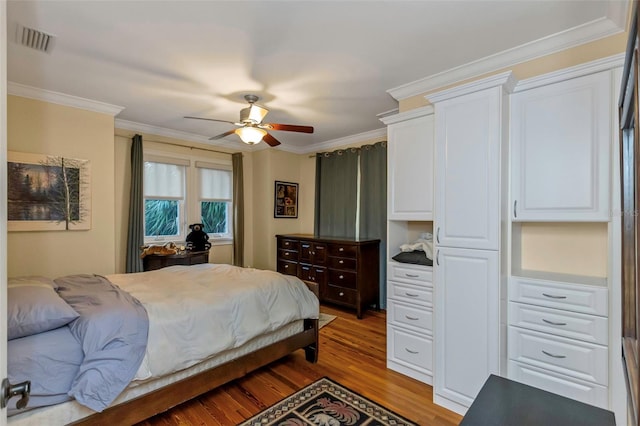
(553, 355)
(341, 294)
(411, 294)
(554, 323)
(438, 257)
(411, 318)
(412, 275)
(515, 209)
(341, 262)
(438, 235)
(410, 351)
(551, 296)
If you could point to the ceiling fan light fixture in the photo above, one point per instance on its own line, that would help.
(251, 135)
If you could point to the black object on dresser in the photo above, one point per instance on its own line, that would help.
(346, 270)
(152, 262)
(503, 402)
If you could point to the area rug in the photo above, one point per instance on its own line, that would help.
(326, 402)
(325, 319)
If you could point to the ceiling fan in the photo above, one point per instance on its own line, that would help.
(251, 128)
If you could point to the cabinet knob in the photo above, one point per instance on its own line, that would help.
(341, 277)
(286, 266)
(341, 262)
(286, 253)
(341, 249)
(286, 244)
(341, 294)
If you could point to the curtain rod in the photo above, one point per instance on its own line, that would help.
(187, 146)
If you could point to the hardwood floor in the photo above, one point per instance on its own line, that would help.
(352, 352)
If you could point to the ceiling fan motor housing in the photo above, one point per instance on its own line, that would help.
(253, 114)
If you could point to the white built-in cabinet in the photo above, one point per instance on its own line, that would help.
(561, 138)
(468, 188)
(410, 165)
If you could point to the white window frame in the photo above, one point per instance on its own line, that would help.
(223, 237)
(190, 209)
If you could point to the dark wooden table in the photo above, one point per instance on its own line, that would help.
(155, 261)
(503, 402)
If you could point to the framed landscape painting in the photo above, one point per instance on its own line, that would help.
(47, 193)
(286, 200)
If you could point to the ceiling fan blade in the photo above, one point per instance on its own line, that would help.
(270, 140)
(288, 127)
(212, 119)
(222, 135)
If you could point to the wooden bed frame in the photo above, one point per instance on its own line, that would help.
(160, 400)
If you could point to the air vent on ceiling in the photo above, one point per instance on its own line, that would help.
(34, 39)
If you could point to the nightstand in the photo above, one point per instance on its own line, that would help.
(154, 261)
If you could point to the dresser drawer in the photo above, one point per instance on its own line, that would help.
(342, 263)
(421, 295)
(589, 328)
(420, 318)
(343, 278)
(288, 244)
(411, 349)
(288, 255)
(288, 268)
(572, 358)
(411, 274)
(572, 297)
(342, 250)
(589, 393)
(340, 295)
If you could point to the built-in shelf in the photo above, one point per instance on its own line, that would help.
(565, 278)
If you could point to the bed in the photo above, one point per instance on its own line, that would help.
(170, 335)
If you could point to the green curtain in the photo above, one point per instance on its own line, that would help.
(373, 204)
(336, 193)
(135, 234)
(238, 210)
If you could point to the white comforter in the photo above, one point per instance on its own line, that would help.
(198, 311)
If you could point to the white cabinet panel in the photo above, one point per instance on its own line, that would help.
(410, 169)
(468, 170)
(560, 138)
(467, 323)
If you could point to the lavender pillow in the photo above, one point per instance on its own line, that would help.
(33, 306)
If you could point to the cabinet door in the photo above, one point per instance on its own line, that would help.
(410, 169)
(468, 170)
(560, 136)
(467, 323)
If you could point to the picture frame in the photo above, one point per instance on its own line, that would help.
(285, 204)
(47, 193)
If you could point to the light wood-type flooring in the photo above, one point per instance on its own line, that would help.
(352, 352)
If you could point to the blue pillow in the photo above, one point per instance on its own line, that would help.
(33, 306)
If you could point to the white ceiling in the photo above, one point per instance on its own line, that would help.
(327, 64)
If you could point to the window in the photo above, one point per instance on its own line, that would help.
(182, 191)
(215, 200)
(164, 200)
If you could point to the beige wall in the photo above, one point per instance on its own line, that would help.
(45, 128)
(218, 253)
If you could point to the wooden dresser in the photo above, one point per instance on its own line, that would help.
(346, 270)
(152, 262)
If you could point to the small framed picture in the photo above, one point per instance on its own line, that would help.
(286, 200)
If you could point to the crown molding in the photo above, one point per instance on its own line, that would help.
(505, 79)
(407, 115)
(24, 91)
(340, 142)
(572, 37)
(175, 134)
(572, 72)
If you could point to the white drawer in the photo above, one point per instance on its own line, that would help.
(412, 274)
(586, 392)
(419, 318)
(573, 358)
(420, 295)
(571, 297)
(410, 349)
(589, 328)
